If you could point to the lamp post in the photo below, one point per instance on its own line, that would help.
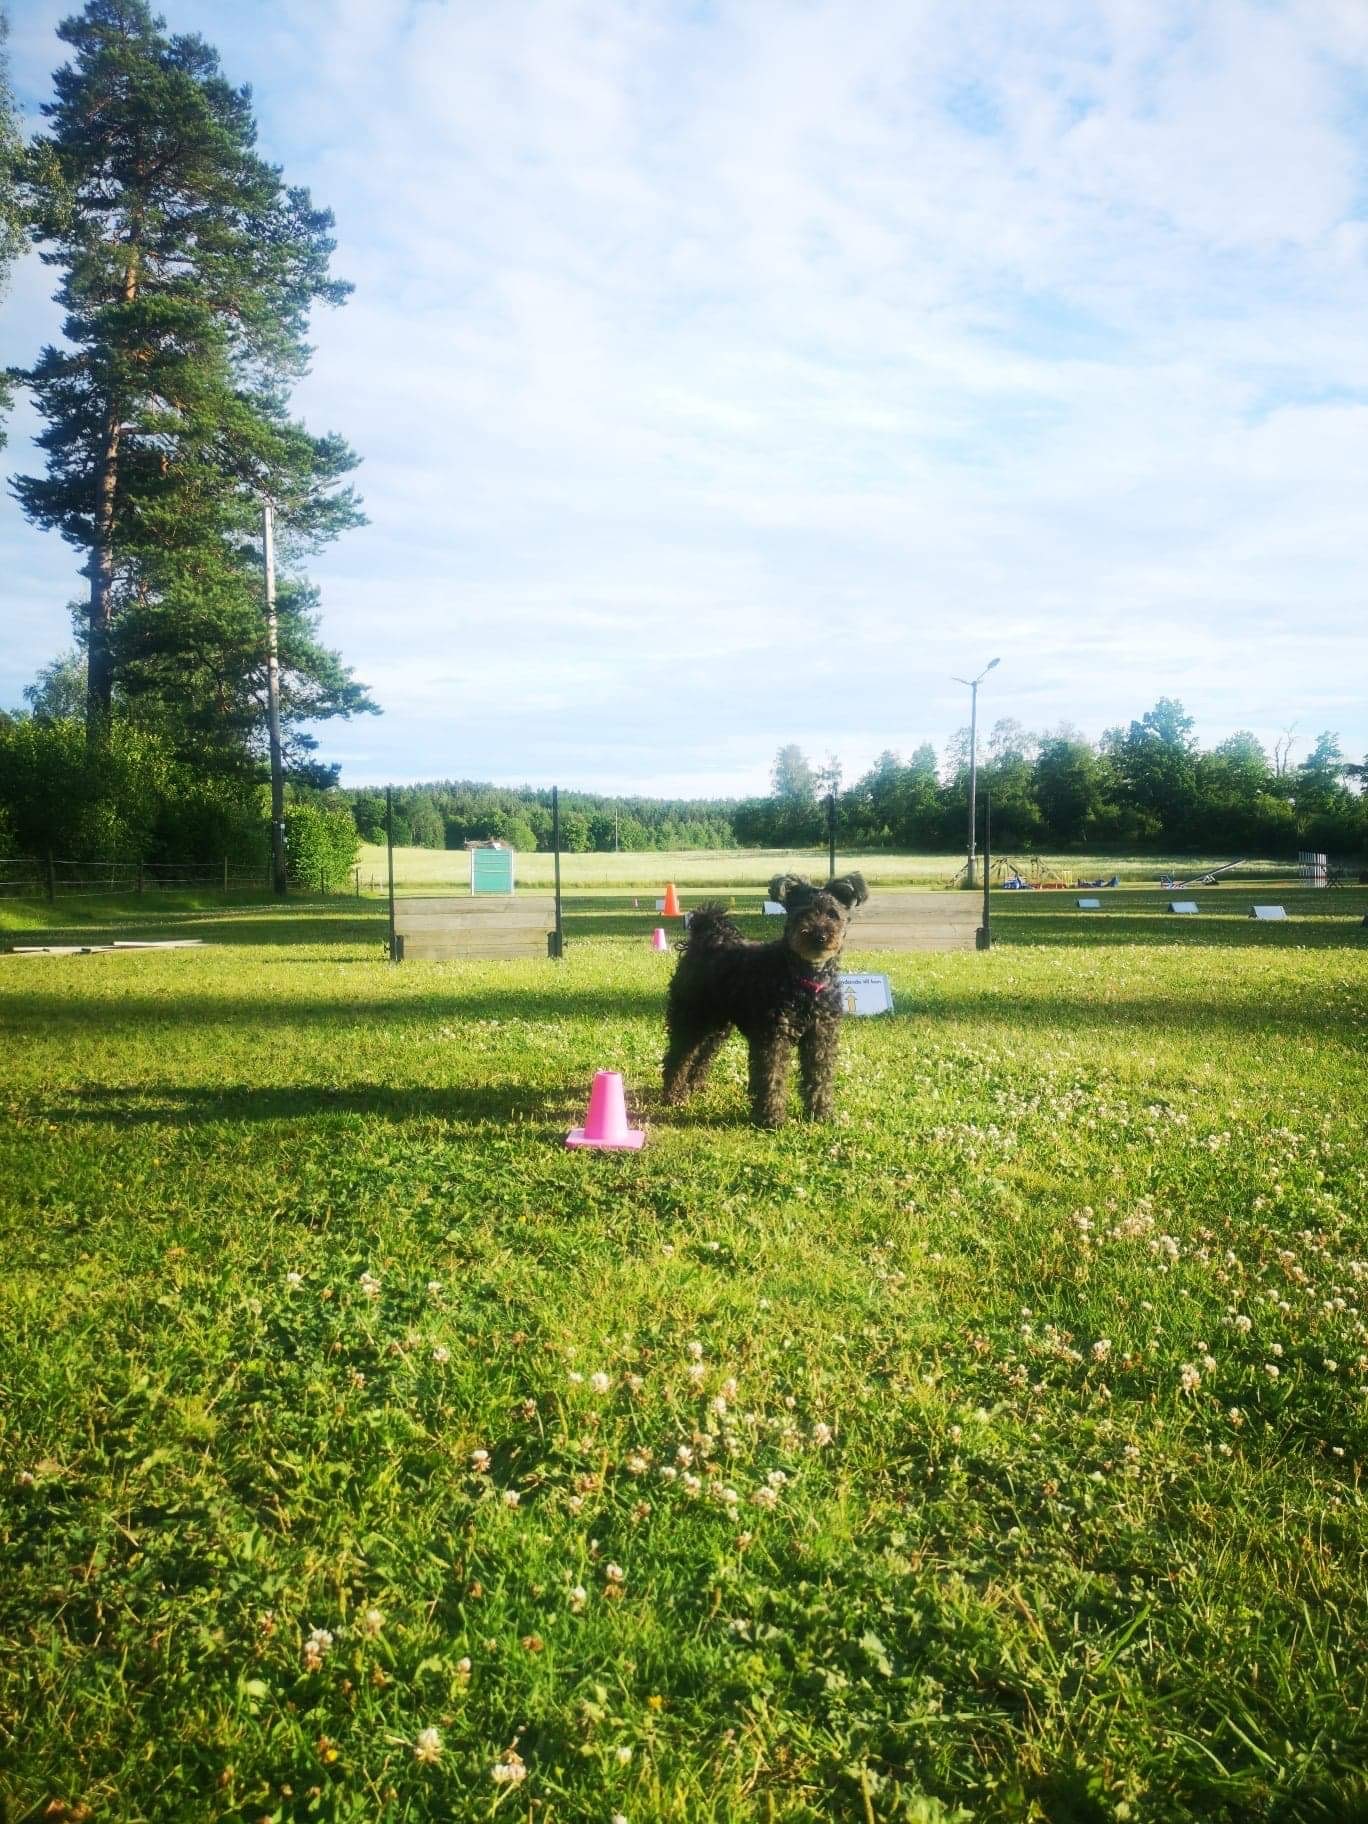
(973, 684)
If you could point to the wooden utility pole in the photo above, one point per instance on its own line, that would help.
(831, 835)
(278, 877)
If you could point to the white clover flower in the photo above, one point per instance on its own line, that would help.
(765, 1497)
(600, 1382)
(1272, 1370)
(692, 1485)
(822, 1434)
(574, 1377)
(1209, 1363)
(578, 1597)
(668, 1472)
(434, 1286)
(1101, 1349)
(316, 1648)
(718, 1406)
(1188, 1378)
(694, 1351)
(729, 1387)
(637, 1464)
(294, 1279)
(441, 1355)
(633, 1383)
(463, 1668)
(373, 1622)
(613, 1572)
(511, 1497)
(427, 1750)
(510, 1772)
(776, 1478)
(1275, 1349)
(479, 1461)
(370, 1285)
(696, 1371)
(622, 1754)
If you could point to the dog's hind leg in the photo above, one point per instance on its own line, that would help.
(689, 1056)
(817, 1068)
(769, 1069)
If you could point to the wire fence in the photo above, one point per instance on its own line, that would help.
(51, 878)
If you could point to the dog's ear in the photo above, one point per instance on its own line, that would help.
(782, 888)
(850, 889)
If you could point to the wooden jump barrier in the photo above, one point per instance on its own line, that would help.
(484, 925)
(916, 921)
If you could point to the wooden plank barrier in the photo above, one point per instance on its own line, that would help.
(916, 921)
(484, 925)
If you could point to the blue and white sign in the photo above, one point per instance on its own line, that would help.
(773, 909)
(866, 994)
(1187, 907)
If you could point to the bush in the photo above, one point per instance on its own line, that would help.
(321, 845)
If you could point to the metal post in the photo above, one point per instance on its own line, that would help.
(278, 875)
(389, 848)
(973, 778)
(985, 933)
(831, 835)
(558, 935)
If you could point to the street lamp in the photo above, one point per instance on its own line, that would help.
(973, 684)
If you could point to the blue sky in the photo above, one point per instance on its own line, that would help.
(738, 373)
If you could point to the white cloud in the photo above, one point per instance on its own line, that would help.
(732, 376)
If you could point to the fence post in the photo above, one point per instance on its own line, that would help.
(51, 877)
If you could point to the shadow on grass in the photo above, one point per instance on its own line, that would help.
(539, 1114)
(1098, 930)
(437, 1001)
(173, 1105)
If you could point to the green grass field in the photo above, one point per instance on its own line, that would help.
(436, 869)
(995, 1452)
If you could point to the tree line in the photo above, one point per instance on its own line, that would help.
(449, 813)
(1143, 786)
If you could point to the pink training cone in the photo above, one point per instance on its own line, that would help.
(606, 1123)
(659, 941)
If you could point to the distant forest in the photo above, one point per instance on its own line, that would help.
(1145, 786)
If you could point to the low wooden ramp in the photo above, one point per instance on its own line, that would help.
(916, 921)
(475, 925)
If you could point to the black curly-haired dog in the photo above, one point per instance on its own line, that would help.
(777, 995)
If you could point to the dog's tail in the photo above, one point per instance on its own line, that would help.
(710, 928)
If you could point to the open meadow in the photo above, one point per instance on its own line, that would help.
(995, 1452)
(437, 870)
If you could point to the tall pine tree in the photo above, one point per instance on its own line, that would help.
(11, 214)
(189, 271)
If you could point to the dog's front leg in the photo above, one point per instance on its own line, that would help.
(817, 1068)
(769, 1068)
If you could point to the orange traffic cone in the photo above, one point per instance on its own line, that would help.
(672, 907)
